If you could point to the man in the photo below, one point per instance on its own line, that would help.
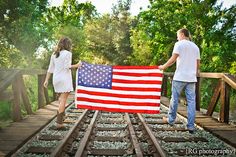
(187, 55)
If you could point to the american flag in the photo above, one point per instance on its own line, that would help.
(135, 89)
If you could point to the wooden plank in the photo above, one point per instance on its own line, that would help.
(33, 71)
(13, 137)
(225, 102)
(9, 143)
(40, 150)
(108, 152)
(214, 99)
(46, 96)
(228, 136)
(220, 127)
(209, 120)
(211, 75)
(50, 137)
(170, 129)
(16, 101)
(164, 86)
(231, 80)
(201, 115)
(181, 139)
(24, 95)
(41, 79)
(198, 94)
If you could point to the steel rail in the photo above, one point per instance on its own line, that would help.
(152, 137)
(85, 139)
(58, 151)
(134, 139)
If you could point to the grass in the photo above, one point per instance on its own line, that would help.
(5, 113)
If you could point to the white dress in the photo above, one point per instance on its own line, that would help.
(60, 67)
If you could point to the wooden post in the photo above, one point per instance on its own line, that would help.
(164, 86)
(214, 99)
(40, 91)
(16, 111)
(198, 95)
(24, 95)
(225, 102)
(46, 96)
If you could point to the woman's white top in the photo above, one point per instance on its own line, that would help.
(60, 67)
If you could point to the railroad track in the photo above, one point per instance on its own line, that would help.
(97, 133)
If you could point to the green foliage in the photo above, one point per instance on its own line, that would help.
(67, 20)
(20, 28)
(108, 37)
(10, 57)
(212, 28)
(141, 48)
(70, 13)
(207, 89)
(31, 83)
(232, 70)
(5, 110)
(78, 40)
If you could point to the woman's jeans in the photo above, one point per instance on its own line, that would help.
(177, 87)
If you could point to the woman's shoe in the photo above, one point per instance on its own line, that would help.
(60, 127)
(59, 121)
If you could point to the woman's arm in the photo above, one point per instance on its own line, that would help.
(78, 65)
(45, 84)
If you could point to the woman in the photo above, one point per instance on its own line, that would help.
(60, 66)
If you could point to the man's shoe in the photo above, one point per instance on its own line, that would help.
(191, 131)
(165, 120)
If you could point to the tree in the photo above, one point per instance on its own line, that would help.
(213, 30)
(67, 20)
(108, 37)
(20, 28)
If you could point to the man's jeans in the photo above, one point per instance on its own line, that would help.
(177, 87)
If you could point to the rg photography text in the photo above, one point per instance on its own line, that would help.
(216, 152)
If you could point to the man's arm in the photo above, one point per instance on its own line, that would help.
(169, 62)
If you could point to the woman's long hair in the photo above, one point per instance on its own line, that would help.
(63, 44)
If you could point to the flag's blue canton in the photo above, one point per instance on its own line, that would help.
(98, 76)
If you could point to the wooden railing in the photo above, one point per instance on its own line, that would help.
(14, 78)
(225, 83)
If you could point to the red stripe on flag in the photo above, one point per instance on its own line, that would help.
(137, 74)
(135, 67)
(136, 89)
(118, 110)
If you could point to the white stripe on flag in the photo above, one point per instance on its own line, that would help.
(136, 85)
(118, 106)
(144, 71)
(121, 92)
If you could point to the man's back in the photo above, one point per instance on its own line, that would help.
(186, 65)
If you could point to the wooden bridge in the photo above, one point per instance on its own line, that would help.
(14, 90)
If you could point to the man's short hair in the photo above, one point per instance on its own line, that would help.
(185, 31)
